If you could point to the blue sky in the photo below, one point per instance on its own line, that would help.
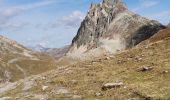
(53, 23)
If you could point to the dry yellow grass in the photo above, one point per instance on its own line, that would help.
(85, 79)
(28, 66)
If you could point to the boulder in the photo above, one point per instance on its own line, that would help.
(112, 85)
(145, 68)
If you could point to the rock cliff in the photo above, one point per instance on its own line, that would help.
(110, 26)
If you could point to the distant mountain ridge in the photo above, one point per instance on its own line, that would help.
(169, 25)
(38, 48)
(110, 27)
(57, 52)
(53, 52)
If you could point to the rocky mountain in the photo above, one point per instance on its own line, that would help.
(110, 27)
(10, 46)
(161, 35)
(39, 48)
(53, 52)
(17, 62)
(140, 70)
(169, 25)
(140, 73)
(57, 52)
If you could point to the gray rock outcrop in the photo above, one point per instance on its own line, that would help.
(110, 26)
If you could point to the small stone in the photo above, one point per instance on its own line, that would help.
(111, 85)
(74, 82)
(76, 97)
(5, 98)
(43, 78)
(60, 90)
(107, 58)
(146, 68)
(112, 56)
(98, 94)
(165, 71)
(146, 47)
(121, 61)
(138, 58)
(125, 87)
(143, 55)
(128, 59)
(44, 88)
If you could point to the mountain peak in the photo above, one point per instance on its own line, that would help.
(112, 27)
(112, 1)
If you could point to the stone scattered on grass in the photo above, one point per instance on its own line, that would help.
(112, 85)
(43, 78)
(112, 56)
(74, 82)
(44, 88)
(145, 68)
(5, 98)
(137, 59)
(107, 58)
(60, 90)
(165, 71)
(98, 94)
(76, 97)
(121, 61)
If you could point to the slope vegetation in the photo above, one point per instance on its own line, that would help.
(18, 62)
(144, 72)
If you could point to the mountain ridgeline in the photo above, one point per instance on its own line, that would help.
(111, 27)
(134, 73)
(17, 61)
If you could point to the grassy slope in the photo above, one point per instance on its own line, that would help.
(30, 66)
(86, 78)
(17, 62)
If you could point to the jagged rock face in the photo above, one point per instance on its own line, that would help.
(110, 25)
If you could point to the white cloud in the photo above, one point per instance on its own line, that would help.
(145, 4)
(7, 13)
(148, 3)
(72, 20)
(13, 26)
